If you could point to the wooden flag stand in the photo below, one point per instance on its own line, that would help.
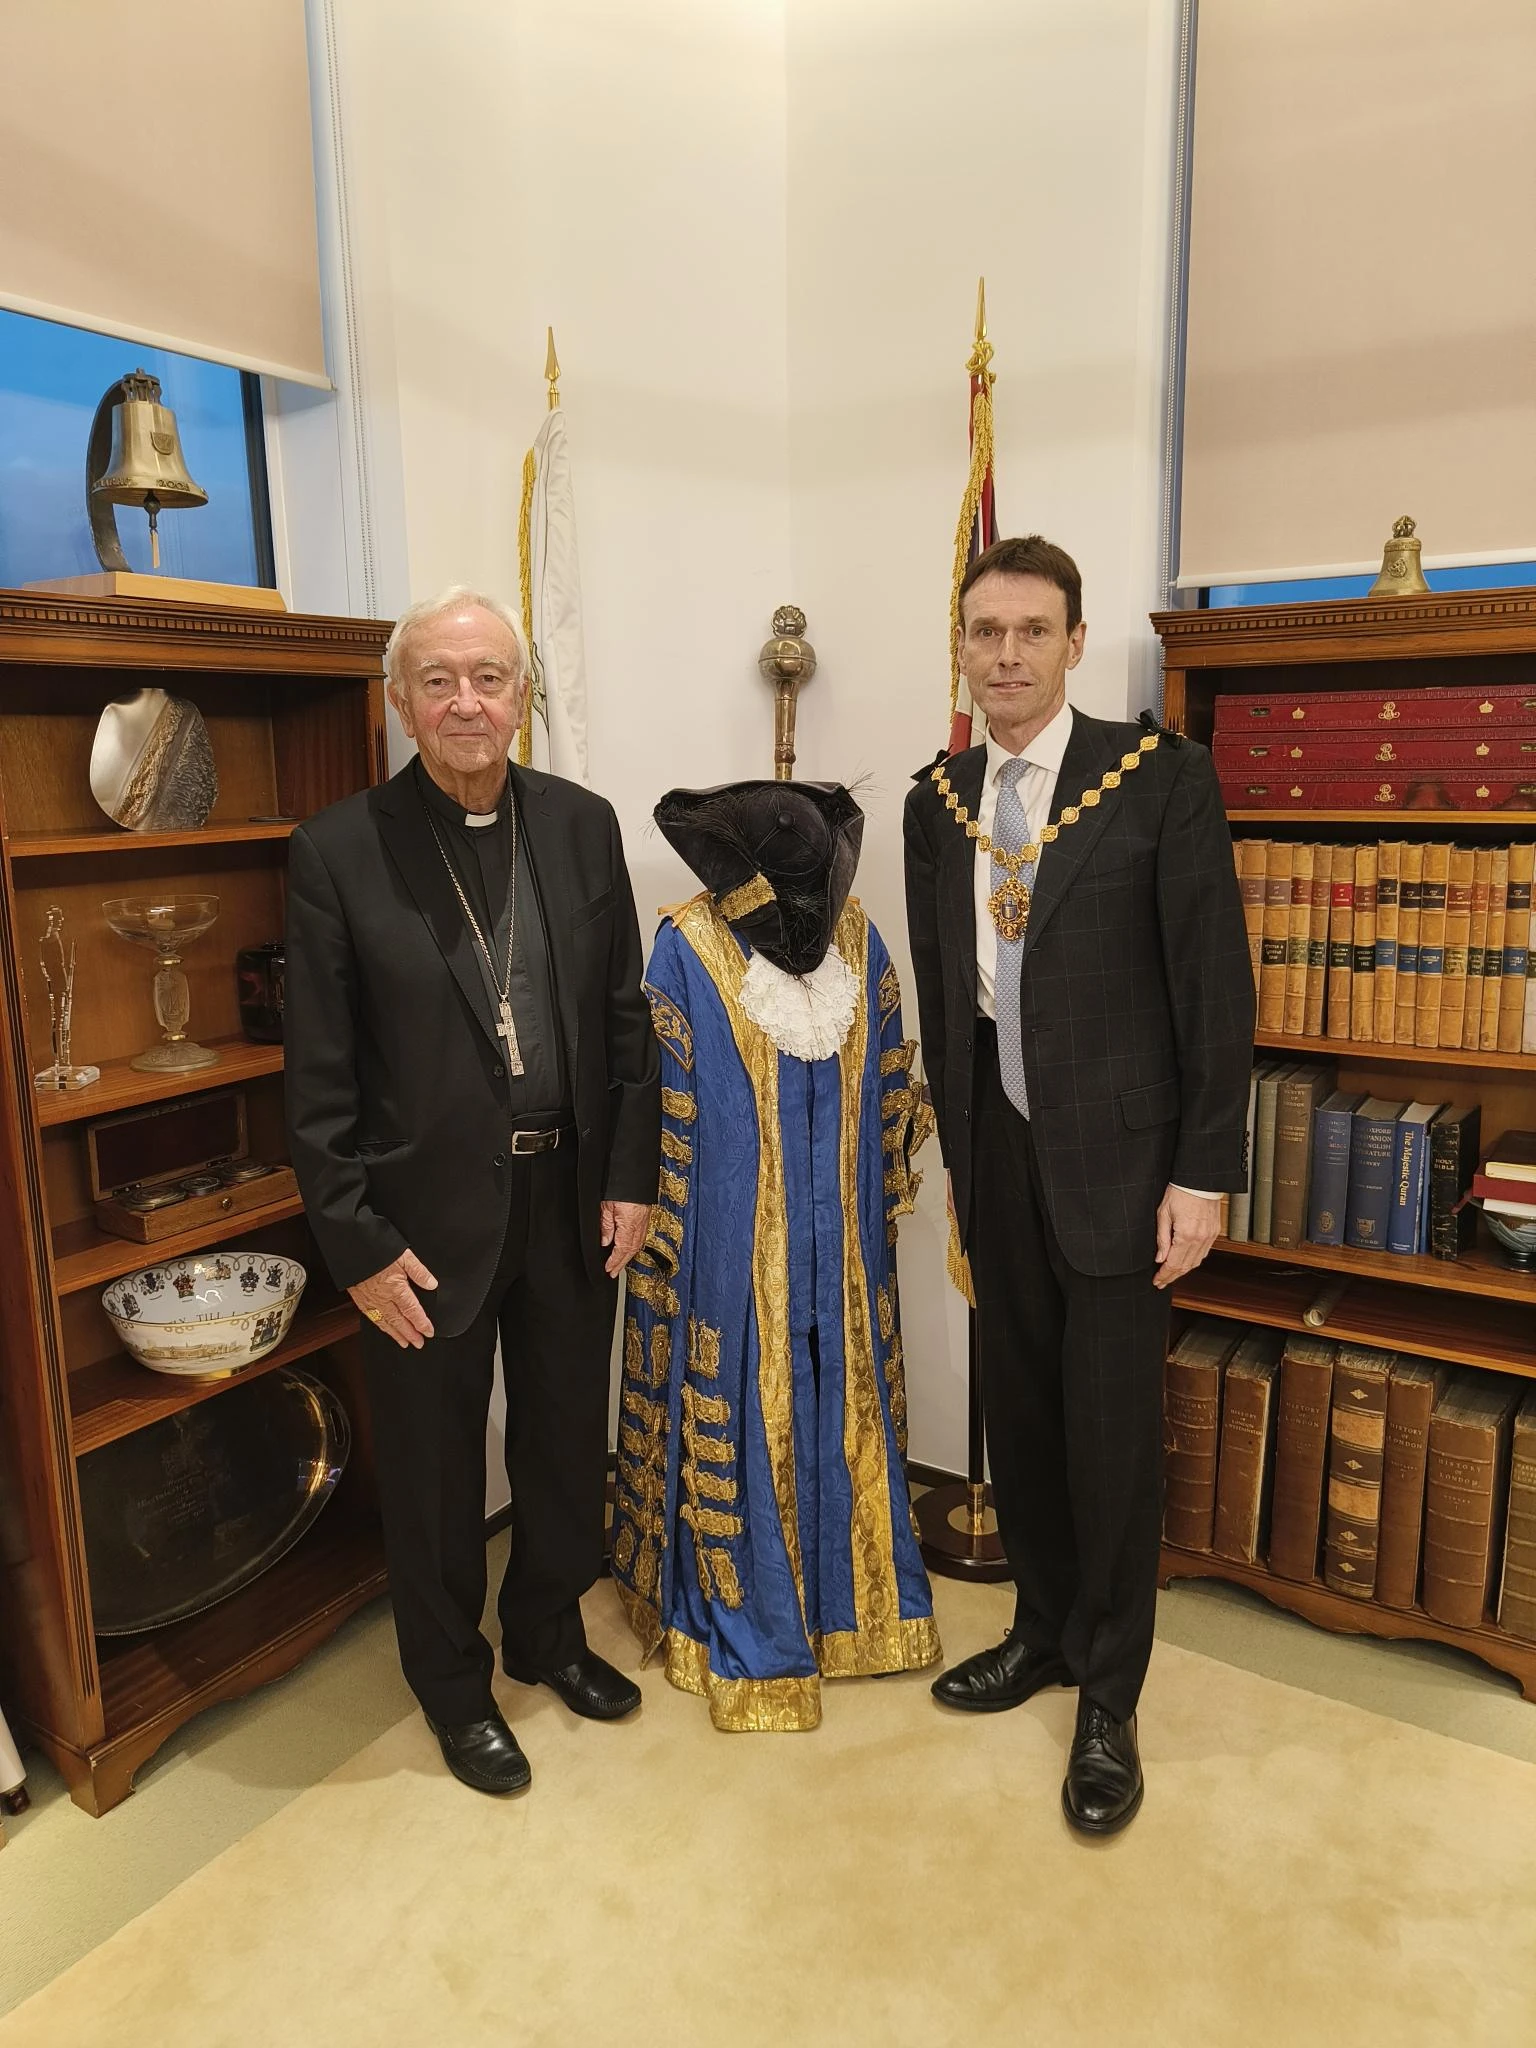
(956, 1522)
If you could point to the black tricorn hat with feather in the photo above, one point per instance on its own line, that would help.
(778, 858)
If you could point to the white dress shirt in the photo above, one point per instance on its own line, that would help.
(1037, 793)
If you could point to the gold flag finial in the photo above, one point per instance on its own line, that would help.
(981, 351)
(552, 371)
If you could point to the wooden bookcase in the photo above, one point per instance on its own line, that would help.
(1481, 1309)
(295, 712)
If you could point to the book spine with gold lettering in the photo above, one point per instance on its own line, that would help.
(1277, 931)
(1410, 904)
(1355, 1457)
(1458, 940)
(1298, 939)
(1426, 1017)
(1317, 942)
(1493, 951)
(1389, 858)
(1517, 1589)
(1517, 940)
(1192, 1430)
(1246, 1468)
(1301, 1456)
(1341, 939)
(1412, 1390)
(1477, 945)
(1362, 988)
(1251, 857)
(1466, 1495)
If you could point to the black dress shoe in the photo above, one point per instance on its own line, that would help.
(483, 1754)
(994, 1680)
(590, 1687)
(1103, 1786)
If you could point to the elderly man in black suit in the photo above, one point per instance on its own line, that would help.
(474, 1111)
(1086, 1007)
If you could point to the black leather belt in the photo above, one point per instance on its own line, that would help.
(538, 1141)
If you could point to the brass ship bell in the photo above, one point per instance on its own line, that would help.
(134, 458)
(1402, 574)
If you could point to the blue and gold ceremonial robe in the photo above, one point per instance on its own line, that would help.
(763, 1536)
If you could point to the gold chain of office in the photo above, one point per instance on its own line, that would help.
(1009, 901)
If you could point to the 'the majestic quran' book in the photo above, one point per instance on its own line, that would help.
(1370, 1173)
(1454, 1137)
(1517, 1590)
(1408, 1217)
(1301, 1453)
(1192, 1430)
(1414, 1387)
(1246, 1469)
(1296, 1102)
(1355, 1456)
(1466, 1495)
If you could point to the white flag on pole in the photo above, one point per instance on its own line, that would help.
(560, 735)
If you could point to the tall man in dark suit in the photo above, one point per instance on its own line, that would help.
(474, 1110)
(1086, 1008)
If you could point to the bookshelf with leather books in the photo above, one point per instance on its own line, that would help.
(1478, 1310)
(294, 712)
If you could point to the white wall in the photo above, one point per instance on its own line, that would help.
(756, 226)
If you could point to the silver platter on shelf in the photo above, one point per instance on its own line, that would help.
(185, 1512)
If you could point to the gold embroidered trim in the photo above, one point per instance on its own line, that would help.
(897, 1059)
(633, 1350)
(893, 1646)
(864, 1448)
(670, 1026)
(705, 1407)
(667, 1225)
(674, 1147)
(715, 944)
(888, 995)
(886, 1309)
(643, 1617)
(623, 1547)
(896, 1391)
(652, 1289)
(754, 895)
(661, 1355)
(715, 1486)
(709, 1522)
(674, 1186)
(776, 1706)
(703, 1349)
(676, 1103)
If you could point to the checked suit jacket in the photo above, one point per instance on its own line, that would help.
(1136, 999)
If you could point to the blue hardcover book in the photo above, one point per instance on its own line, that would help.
(1332, 1124)
(1410, 1171)
(1372, 1145)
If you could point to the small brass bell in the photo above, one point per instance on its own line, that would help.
(1401, 575)
(135, 459)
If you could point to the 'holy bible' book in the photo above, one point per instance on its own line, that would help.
(1301, 1452)
(1412, 1391)
(1355, 1458)
(1246, 1470)
(1466, 1494)
(1192, 1430)
(1517, 1592)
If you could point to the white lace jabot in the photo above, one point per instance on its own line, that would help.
(805, 1015)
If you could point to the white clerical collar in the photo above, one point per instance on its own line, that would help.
(1046, 750)
(478, 820)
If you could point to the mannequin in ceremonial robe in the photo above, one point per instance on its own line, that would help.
(763, 1535)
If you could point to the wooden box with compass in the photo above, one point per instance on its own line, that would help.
(174, 1166)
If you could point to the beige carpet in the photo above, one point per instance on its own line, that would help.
(1302, 1872)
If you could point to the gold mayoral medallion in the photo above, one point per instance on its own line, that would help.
(1009, 901)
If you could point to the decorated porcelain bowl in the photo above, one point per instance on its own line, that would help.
(1517, 1234)
(209, 1316)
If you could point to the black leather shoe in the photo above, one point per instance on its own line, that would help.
(994, 1680)
(1103, 1787)
(590, 1687)
(483, 1754)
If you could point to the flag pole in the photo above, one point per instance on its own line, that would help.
(956, 1521)
(525, 543)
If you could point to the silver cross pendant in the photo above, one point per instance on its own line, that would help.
(507, 1029)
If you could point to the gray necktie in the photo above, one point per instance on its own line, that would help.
(1010, 831)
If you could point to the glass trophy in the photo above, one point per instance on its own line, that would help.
(58, 964)
(166, 926)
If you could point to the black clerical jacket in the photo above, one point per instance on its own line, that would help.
(398, 1097)
(1136, 990)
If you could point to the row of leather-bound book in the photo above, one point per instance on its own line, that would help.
(1400, 942)
(1393, 1478)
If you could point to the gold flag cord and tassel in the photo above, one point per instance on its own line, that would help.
(525, 546)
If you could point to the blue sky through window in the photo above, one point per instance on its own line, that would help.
(51, 378)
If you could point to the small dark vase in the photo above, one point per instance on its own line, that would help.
(259, 972)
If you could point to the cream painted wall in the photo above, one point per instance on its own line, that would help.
(756, 226)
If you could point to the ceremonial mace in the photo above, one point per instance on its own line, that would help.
(786, 661)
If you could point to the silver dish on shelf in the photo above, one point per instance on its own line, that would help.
(208, 1316)
(187, 1511)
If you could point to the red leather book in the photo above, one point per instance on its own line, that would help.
(1414, 710)
(1422, 789)
(1245, 755)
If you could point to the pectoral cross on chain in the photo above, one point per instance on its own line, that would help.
(507, 1029)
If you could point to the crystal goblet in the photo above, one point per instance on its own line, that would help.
(166, 926)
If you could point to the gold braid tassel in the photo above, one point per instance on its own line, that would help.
(959, 1266)
(981, 463)
(525, 581)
